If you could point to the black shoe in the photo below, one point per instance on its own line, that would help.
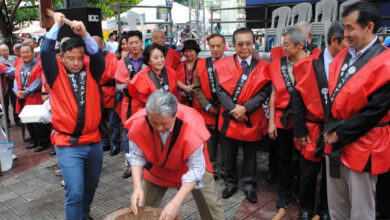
(106, 148)
(115, 151)
(27, 139)
(228, 192)
(271, 177)
(251, 196)
(31, 146)
(127, 173)
(282, 202)
(40, 148)
(305, 215)
(52, 153)
(89, 218)
(325, 216)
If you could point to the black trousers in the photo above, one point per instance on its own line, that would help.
(40, 133)
(10, 95)
(248, 175)
(285, 149)
(308, 172)
(212, 148)
(383, 194)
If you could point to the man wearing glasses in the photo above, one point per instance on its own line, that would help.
(243, 85)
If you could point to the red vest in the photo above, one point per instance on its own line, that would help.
(3, 68)
(173, 58)
(229, 74)
(306, 85)
(107, 81)
(65, 111)
(350, 100)
(169, 165)
(36, 99)
(282, 97)
(141, 86)
(181, 76)
(18, 61)
(276, 53)
(210, 119)
(121, 75)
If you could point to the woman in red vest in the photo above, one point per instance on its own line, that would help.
(187, 70)
(151, 78)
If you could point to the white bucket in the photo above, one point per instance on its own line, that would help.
(6, 158)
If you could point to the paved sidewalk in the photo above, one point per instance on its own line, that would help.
(36, 193)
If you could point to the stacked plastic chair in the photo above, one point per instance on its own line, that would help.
(303, 11)
(327, 9)
(284, 15)
(345, 5)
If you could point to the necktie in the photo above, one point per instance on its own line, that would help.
(243, 65)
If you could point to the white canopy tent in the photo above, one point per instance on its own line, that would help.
(180, 14)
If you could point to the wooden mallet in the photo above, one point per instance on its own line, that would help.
(46, 14)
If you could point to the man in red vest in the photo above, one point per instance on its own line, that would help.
(128, 67)
(206, 95)
(76, 113)
(172, 57)
(309, 106)
(280, 108)
(243, 87)
(358, 123)
(107, 85)
(169, 140)
(27, 88)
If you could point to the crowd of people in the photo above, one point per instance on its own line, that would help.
(325, 113)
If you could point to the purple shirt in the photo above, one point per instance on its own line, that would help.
(136, 63)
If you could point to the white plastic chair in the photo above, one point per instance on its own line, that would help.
(345, 5)
(327, 9)
(284, 15)
(303, 11)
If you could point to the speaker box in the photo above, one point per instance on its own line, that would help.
(91, 17)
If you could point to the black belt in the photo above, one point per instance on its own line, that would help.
(109, 84)
(285, 116)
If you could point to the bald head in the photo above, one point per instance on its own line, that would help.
(158, 37)
(99, 41)
(305, 27)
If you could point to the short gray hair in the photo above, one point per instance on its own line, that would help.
(162, 102)
(296, 35)
(306, 27)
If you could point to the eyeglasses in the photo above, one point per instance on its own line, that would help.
(241, 44)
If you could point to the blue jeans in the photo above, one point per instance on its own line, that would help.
(114, 121)
(80, 166)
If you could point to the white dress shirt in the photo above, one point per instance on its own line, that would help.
(356, 56)
(327, 60)
(248, 60)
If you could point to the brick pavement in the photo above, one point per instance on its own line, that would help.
(36, 194)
